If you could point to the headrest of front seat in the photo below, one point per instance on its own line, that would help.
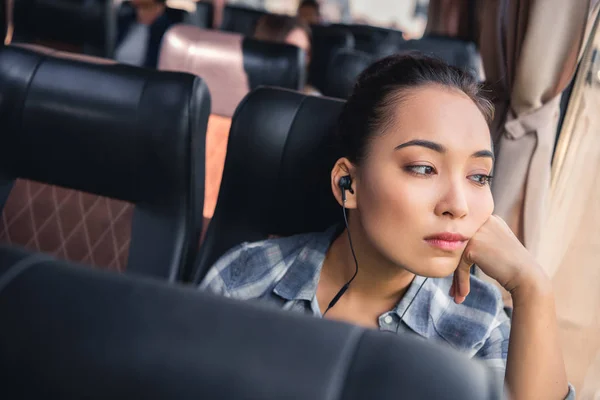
(230, 64)
(204, 14)
(80, 333)
(74, 22)
(117, 131)
(453, 51)
(60, 126)
(368, 38)
(326, 41)
(4, 20)
(279, 158)
(240, 20)
(175, 15)
(344, 69)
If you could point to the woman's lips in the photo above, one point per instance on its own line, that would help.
(447, 241)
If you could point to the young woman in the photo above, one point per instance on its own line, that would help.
(415, 178)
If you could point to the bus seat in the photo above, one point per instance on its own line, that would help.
(276, 179)
(454, 51)
(4, 20)
(326, 41)
(176, 15)
(240, 20)
(368, 38)
(78, 333)
(204, 14)
(345, 67)
(75, 25)
(108, 161)
(231, 66)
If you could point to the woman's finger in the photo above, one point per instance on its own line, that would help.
(462, 277)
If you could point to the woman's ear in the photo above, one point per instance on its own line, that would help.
(343, 167)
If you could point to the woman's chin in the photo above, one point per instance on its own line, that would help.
(435, 268)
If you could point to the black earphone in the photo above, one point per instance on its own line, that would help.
(345, 183)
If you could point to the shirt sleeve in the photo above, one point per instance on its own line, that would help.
(495, 349)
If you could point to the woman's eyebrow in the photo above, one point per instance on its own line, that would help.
(423, 143)
(441, 149)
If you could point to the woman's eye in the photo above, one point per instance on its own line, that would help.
(481, 179)
(421, 169)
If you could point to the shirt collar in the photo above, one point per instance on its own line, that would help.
(419, 307)
(302, 277)
(416, 306)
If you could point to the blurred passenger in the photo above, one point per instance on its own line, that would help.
(284, 29)
(309, 12)
(139, 32)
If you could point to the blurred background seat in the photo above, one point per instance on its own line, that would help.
(231, 65)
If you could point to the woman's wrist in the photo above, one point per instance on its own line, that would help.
(531, 284)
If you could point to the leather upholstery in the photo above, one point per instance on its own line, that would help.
(346, 66)
(368, 38)
(453, 51)
(138, 137)
(240, 20)
(81, 333)
(230, 64)
(204, 14)
(77, 23)
(326, 41)
(273, 64)
(276, 176)
(4, 20)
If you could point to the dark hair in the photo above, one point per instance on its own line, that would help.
(382, 85)
(310, 3)
(275, 27)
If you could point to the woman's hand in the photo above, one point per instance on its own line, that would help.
(500, 255)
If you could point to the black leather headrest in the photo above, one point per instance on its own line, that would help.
(453, 51)
(326, 41)
(79, 333)
(240, 19)
(204, 14)
(368, 38)
(76, 22)
(175, 15)
(113, 130)
(3, 20)
(273, 64)
(344, 69)
(276, 178)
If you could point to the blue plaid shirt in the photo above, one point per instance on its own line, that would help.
(285, 272)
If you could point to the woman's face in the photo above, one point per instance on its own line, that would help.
(426, 176)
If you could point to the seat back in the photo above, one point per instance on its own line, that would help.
(73, 25)
(279, 157)
(369, 38)
(81, 334)
(4, 20)
(326, 41)
(344, 69)
(204, 14)
(241, 20)
(102, 173)
(453, 51)
(231, 65)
